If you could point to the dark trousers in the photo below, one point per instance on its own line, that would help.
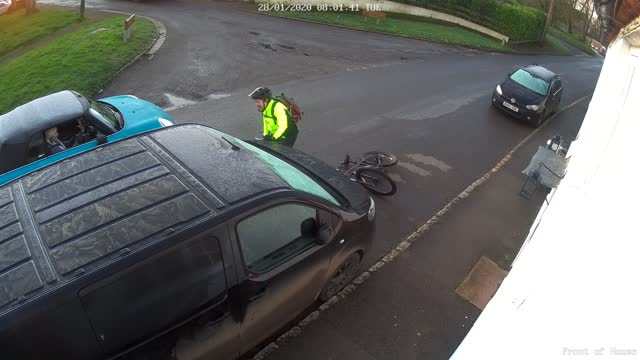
(289, 140)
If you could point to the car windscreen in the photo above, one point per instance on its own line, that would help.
(292, 176)
(106, 114)
(531, 82)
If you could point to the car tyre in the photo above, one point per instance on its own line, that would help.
(341, 277)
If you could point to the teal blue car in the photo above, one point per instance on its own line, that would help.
(57, 126)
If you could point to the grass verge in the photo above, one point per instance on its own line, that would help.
(557, 46)
(398, 26)
(583, 46)
(83, 61)
(549, 46)
(18, 29)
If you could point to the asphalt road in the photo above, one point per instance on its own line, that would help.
(428, 103)
(433, 114)
(211, 49)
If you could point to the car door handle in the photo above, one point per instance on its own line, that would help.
(217, 320)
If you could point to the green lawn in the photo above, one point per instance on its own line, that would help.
(549, 46)
(583, 46)
(418, 29)
(556, 46)
(16, 29)
(79, 61)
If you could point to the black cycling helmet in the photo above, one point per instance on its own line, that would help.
(261, 93)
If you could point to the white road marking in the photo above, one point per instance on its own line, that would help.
(397, 178)
(430, 161)
(414, 169)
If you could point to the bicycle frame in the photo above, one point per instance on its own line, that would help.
(343, 165)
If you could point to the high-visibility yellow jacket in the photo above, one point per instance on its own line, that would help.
(277, 120)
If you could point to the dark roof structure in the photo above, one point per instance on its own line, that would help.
(615, 15)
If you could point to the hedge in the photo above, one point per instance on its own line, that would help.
(510, 18)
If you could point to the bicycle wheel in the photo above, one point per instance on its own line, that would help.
(376, 181)
(378, 158)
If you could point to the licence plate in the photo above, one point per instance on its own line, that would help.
(509, 106)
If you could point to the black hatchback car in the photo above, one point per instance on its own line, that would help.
(531, 93)
(183, 242)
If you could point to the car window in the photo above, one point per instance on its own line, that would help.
(531, 82)
(272, 236)
(36, 149)
(105, 116)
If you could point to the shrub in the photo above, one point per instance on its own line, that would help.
(509, 18)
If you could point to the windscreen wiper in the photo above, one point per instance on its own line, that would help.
(233, 146)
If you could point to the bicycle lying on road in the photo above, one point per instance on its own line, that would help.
(371, 171)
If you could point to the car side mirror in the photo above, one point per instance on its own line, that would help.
(325, 234)
(101, 138)
(309, 227)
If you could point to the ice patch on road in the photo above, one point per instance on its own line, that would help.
(448, 106)
(448, 101)
(217, 96)
(178, 102)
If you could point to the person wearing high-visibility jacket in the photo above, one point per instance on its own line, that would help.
(277, 122)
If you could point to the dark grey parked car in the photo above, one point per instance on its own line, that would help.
(183, 242)
(531, 93)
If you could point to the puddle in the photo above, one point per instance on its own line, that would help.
(178, 102)
(414, 169)
(430, 161)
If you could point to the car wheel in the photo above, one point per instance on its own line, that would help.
(341, 277)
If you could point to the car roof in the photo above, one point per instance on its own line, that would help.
(18, 125)
(80, 213)
(541, 72)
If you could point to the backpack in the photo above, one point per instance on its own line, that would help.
(293, 108)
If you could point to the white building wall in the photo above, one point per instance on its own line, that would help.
(574, 290)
